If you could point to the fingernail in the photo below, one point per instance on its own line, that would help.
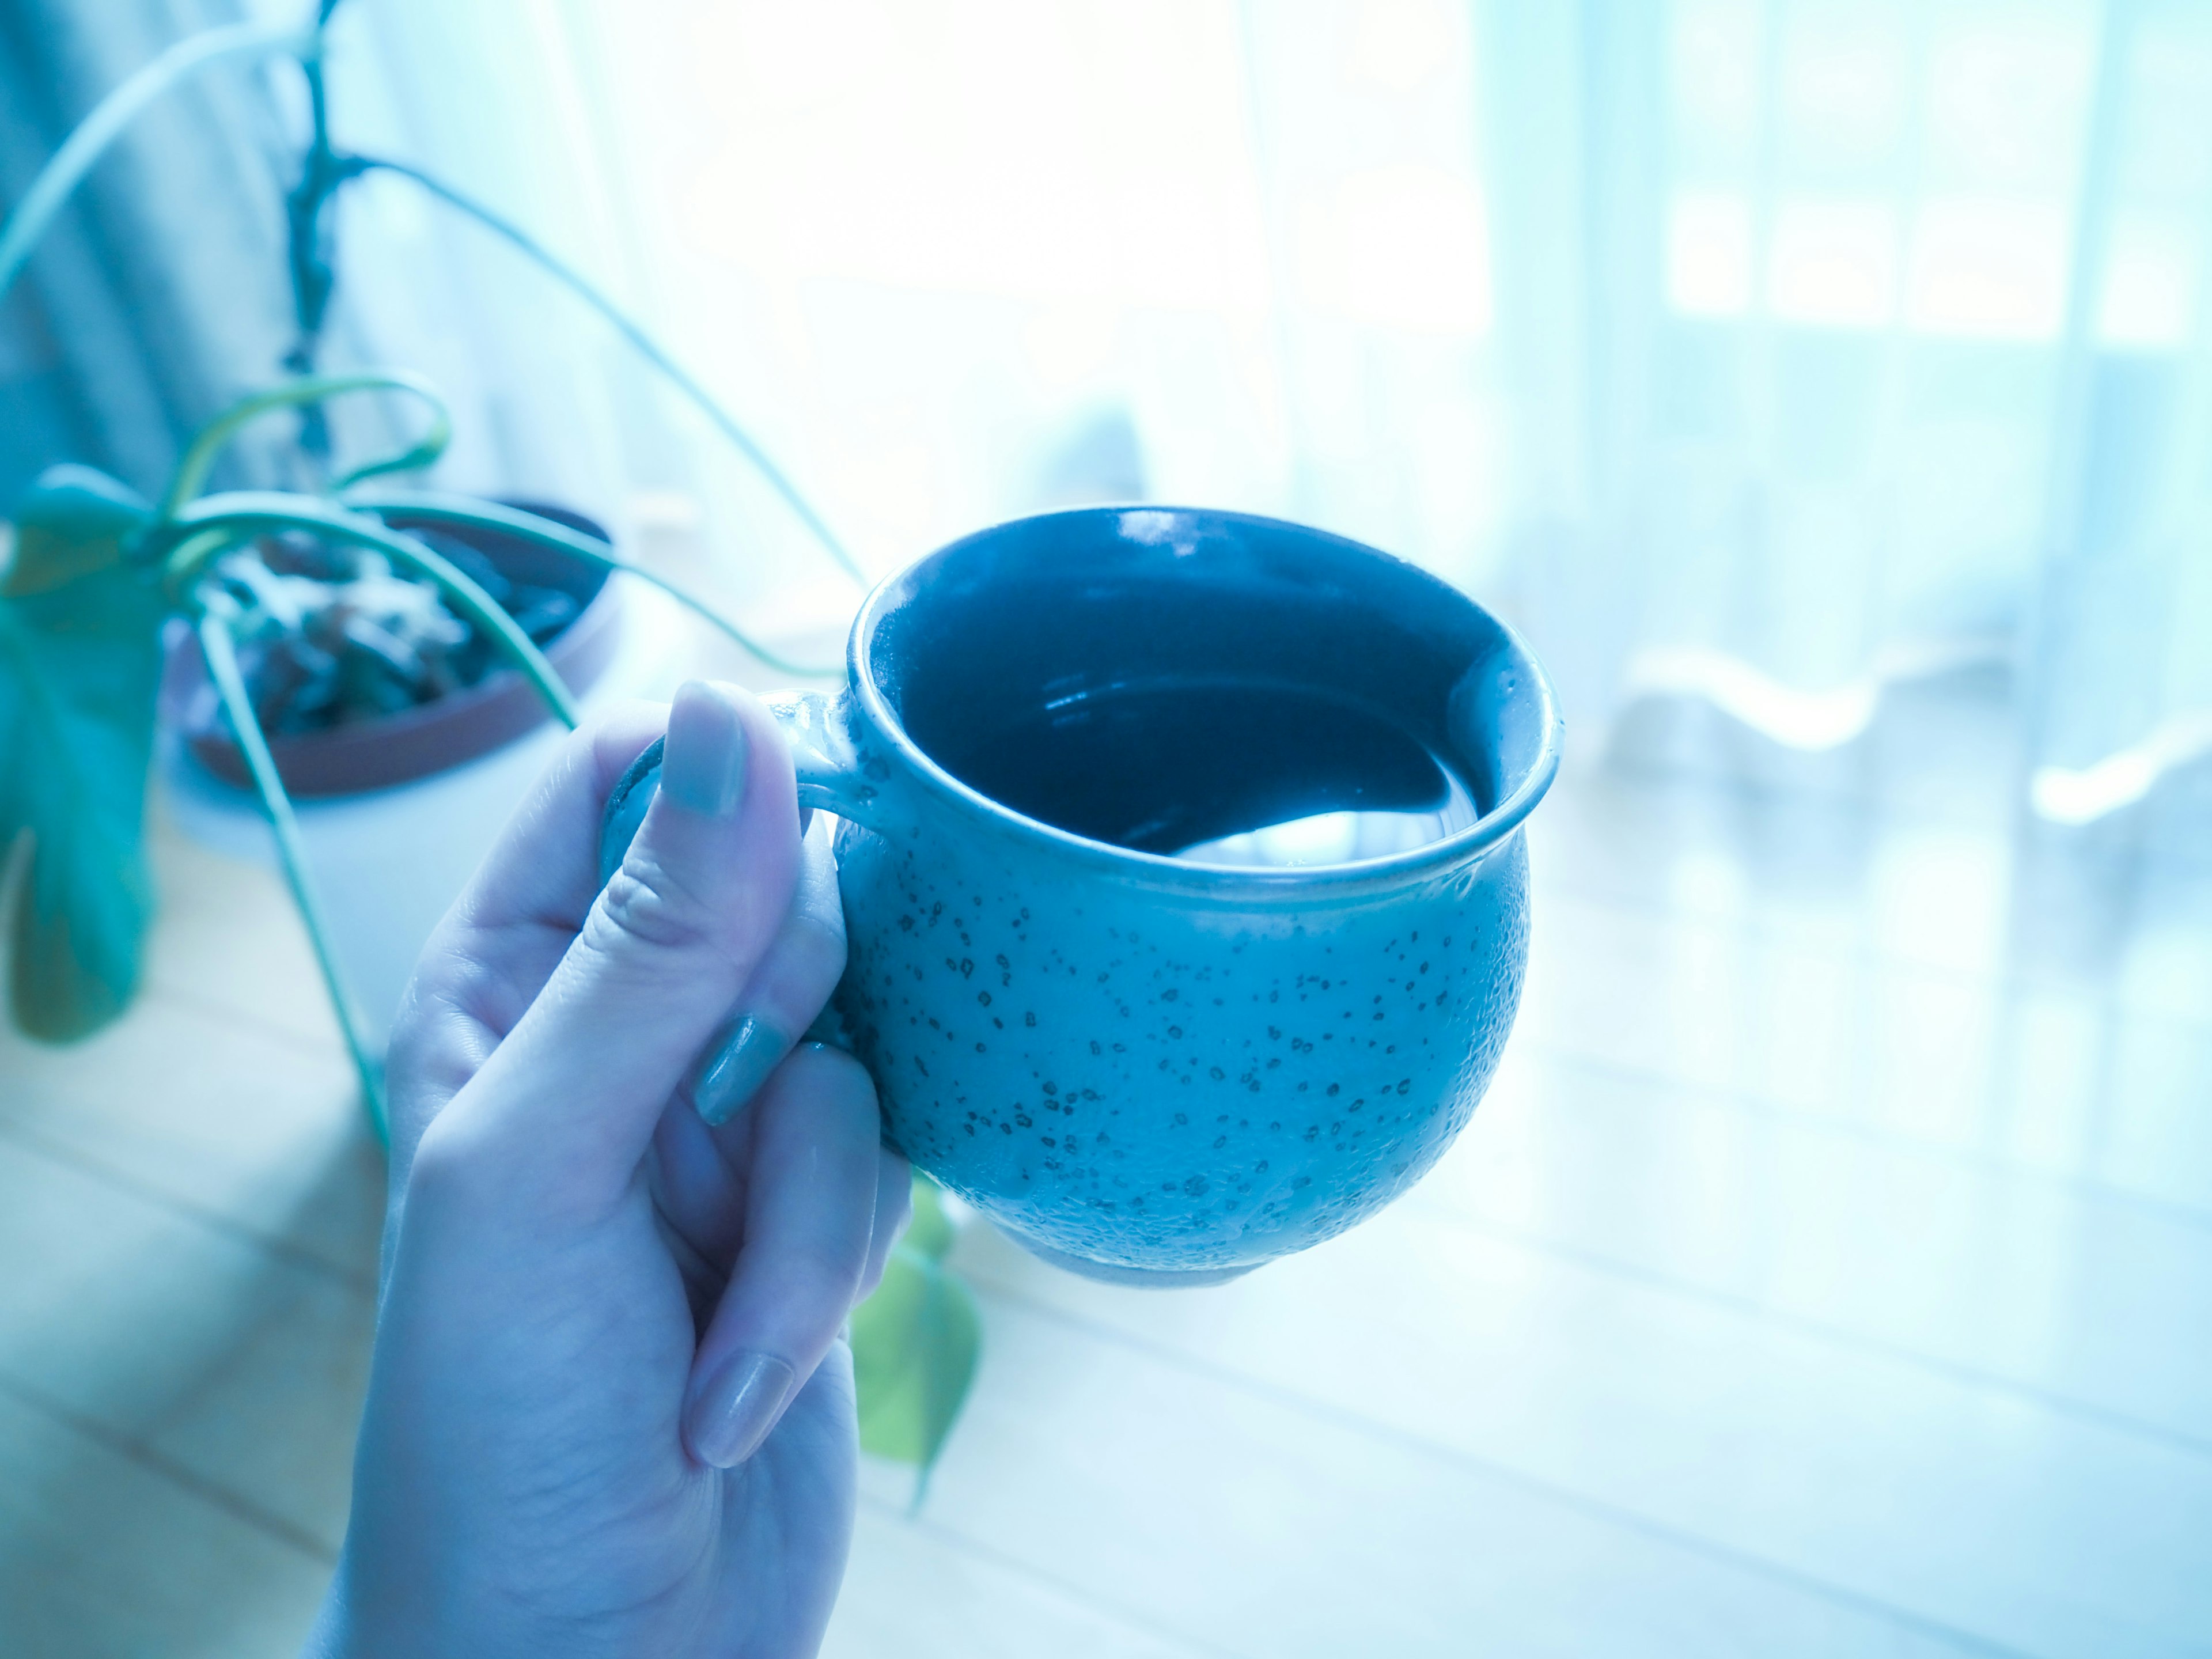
(704, 767)
(732, 1067)
(732, 1415)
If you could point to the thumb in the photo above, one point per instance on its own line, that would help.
(566, 1105)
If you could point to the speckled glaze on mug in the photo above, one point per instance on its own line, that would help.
(1143, 1069)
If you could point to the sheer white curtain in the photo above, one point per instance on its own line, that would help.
(1763, 351)
(159, 296)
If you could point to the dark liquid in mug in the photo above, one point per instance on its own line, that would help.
(1219, 773)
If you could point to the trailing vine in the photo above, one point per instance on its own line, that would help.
(311, 255)
(184, 536)
(94, 572)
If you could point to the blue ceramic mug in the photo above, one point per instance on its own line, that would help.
(1183, 876)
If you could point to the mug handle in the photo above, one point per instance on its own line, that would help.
(830, 773)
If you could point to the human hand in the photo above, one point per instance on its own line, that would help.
(610, 1411)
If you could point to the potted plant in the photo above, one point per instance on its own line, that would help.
(350, 634)
(396, 722)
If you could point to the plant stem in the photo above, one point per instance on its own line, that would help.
(482, 515)
(85, 145)
(254, 510)
(207, 443)
(308, 242)
(639, 340)
(216, 645)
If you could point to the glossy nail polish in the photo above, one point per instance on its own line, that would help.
(730, 1414)
(733, 1066)
(704, 767)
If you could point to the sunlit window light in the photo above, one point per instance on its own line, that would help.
(1709, 253)
(1842, 84)
(1843, 242)
(1801, 719)
(1324, 838)
(1401, 248)
(1974, 268)
(1995, 270)
(1811, 721)
(1399, 45)
(978, 159)
(2007, 98)
(2082, 795)
(1833, 262)
(2148, 297)
(1713, 51)
(2068, 796)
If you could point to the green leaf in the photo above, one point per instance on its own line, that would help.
(80, 663)
(914, 1348)
(930, 1232)
(73, 523)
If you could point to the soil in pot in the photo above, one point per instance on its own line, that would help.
(388, 685)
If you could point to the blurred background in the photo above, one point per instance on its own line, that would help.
(1825, 388)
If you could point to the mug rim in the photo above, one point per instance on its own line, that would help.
(1487, 831)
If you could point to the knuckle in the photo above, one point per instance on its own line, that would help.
(833, 1075)
(444, 979)
(816, 946)
(617, 734)
(455, 976)
(447, 1174)
(823, 1279)
(408, 1047)
(424, 1065)
(646, 904)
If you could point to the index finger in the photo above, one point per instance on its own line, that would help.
(489, 957)
(566, 1103)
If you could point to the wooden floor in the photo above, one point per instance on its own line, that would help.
(1830, 1272)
